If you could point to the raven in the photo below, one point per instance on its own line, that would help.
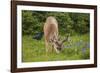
(38, 35)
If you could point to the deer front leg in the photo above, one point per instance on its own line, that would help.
(56, 50)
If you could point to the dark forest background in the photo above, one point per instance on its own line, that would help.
(73, 23)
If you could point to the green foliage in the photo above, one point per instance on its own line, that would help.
(73, 23)
(80, 22)
(35, 51)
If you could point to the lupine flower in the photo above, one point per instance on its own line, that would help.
(83, 50)
(88, 45)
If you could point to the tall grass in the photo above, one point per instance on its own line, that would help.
(35, 51)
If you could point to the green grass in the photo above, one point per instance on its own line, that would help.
(34, 50)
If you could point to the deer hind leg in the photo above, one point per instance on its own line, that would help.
(46, 46)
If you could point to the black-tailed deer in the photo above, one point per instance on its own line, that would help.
(52, 42)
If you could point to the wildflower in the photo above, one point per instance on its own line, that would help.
(83, 50)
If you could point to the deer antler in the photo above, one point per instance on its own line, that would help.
(66, 38)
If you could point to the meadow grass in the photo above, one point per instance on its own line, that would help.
(35, 51)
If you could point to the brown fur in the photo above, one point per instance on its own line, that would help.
(50, 32)
(52, 41)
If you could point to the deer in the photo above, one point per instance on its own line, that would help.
(51, 35)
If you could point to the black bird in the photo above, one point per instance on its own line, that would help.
(38, 35)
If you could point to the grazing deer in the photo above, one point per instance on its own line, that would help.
(52, 42)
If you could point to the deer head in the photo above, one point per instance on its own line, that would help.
(58, 44)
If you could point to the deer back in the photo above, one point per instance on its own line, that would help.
(50, 28)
